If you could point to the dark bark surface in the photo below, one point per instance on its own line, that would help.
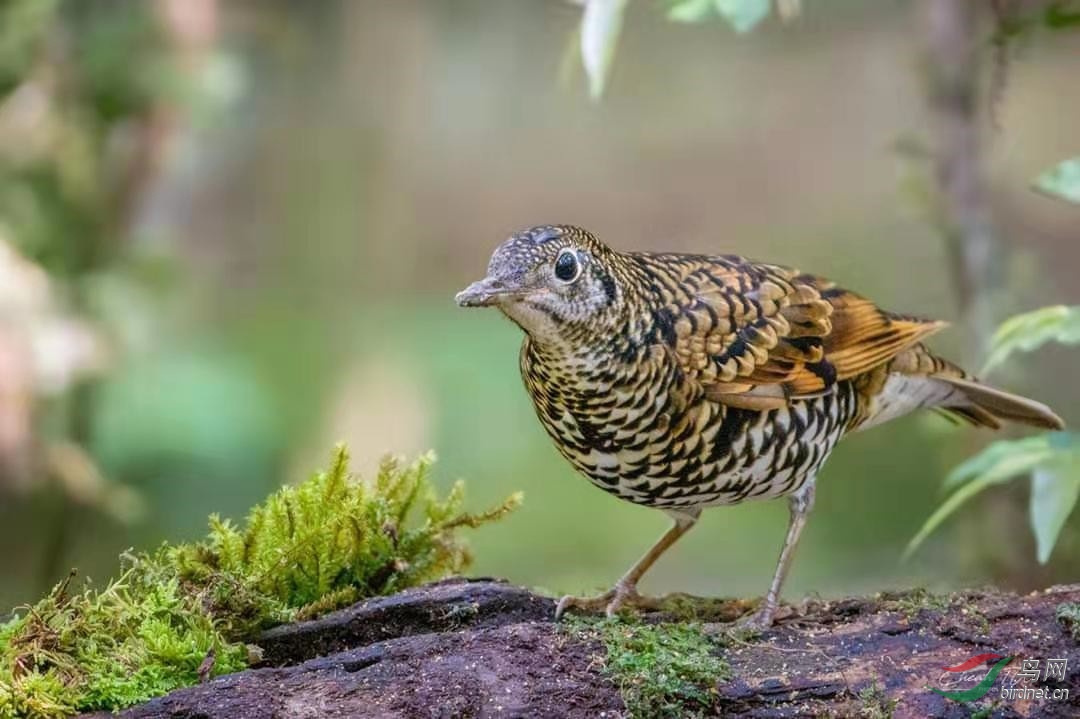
(482, 648)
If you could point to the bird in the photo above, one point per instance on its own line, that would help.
(688, 381)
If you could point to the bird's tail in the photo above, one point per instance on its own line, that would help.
(984, 406)
(917, 378)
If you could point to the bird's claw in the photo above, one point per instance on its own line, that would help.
(621, 596)
(759, 621)
(743, 628)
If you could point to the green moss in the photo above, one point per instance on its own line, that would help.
(916, 601)
(977, 618)
(139, 637)
(875, 703)
(662, 670)
(911, 603)
(327, 542)
(1068, 615)
(688, 608)
(188, 609)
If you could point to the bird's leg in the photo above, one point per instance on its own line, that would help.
(624, 593)
(800, 505)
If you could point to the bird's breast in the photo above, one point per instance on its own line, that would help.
(644, 437)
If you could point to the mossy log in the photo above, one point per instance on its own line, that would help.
(484, 648)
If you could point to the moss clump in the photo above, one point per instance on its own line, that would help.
(688, 608)
(139, 637)
(325, 543)
(184, 612)
(875, 703)
(1068, 615)
(911, 603)
(662, 670)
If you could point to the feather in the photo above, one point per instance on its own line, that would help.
(745, 326)
(983, 399)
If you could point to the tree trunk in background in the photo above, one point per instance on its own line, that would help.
(959, 59)
(954, 31)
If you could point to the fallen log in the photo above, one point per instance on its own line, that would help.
(484, 648)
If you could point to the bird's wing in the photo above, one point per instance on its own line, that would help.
(756, 335)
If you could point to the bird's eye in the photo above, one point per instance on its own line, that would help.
(567, 267)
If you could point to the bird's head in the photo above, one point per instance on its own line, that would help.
(553, 281)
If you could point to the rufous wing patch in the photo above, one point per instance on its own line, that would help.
(757, 336)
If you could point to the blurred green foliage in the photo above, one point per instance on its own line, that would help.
(23, 24)
(1021, 19)
(75, 76)
(86, 88)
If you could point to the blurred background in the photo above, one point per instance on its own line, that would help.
(231, 232)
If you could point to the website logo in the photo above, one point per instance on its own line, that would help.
(965, 682)
(983, 687)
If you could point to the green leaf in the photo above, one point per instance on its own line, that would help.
(1054, 491)
(1031, 330)
(743, 15)
(1061, 181)
(690, 10)
(1002, 460)
(600, 28)
(996, 464)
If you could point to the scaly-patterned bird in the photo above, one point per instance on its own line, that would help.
(682, 382)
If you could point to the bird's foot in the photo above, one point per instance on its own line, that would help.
(621, 596)
(760, 620)
(745, 627)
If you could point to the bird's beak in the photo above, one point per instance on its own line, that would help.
(483, 293)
